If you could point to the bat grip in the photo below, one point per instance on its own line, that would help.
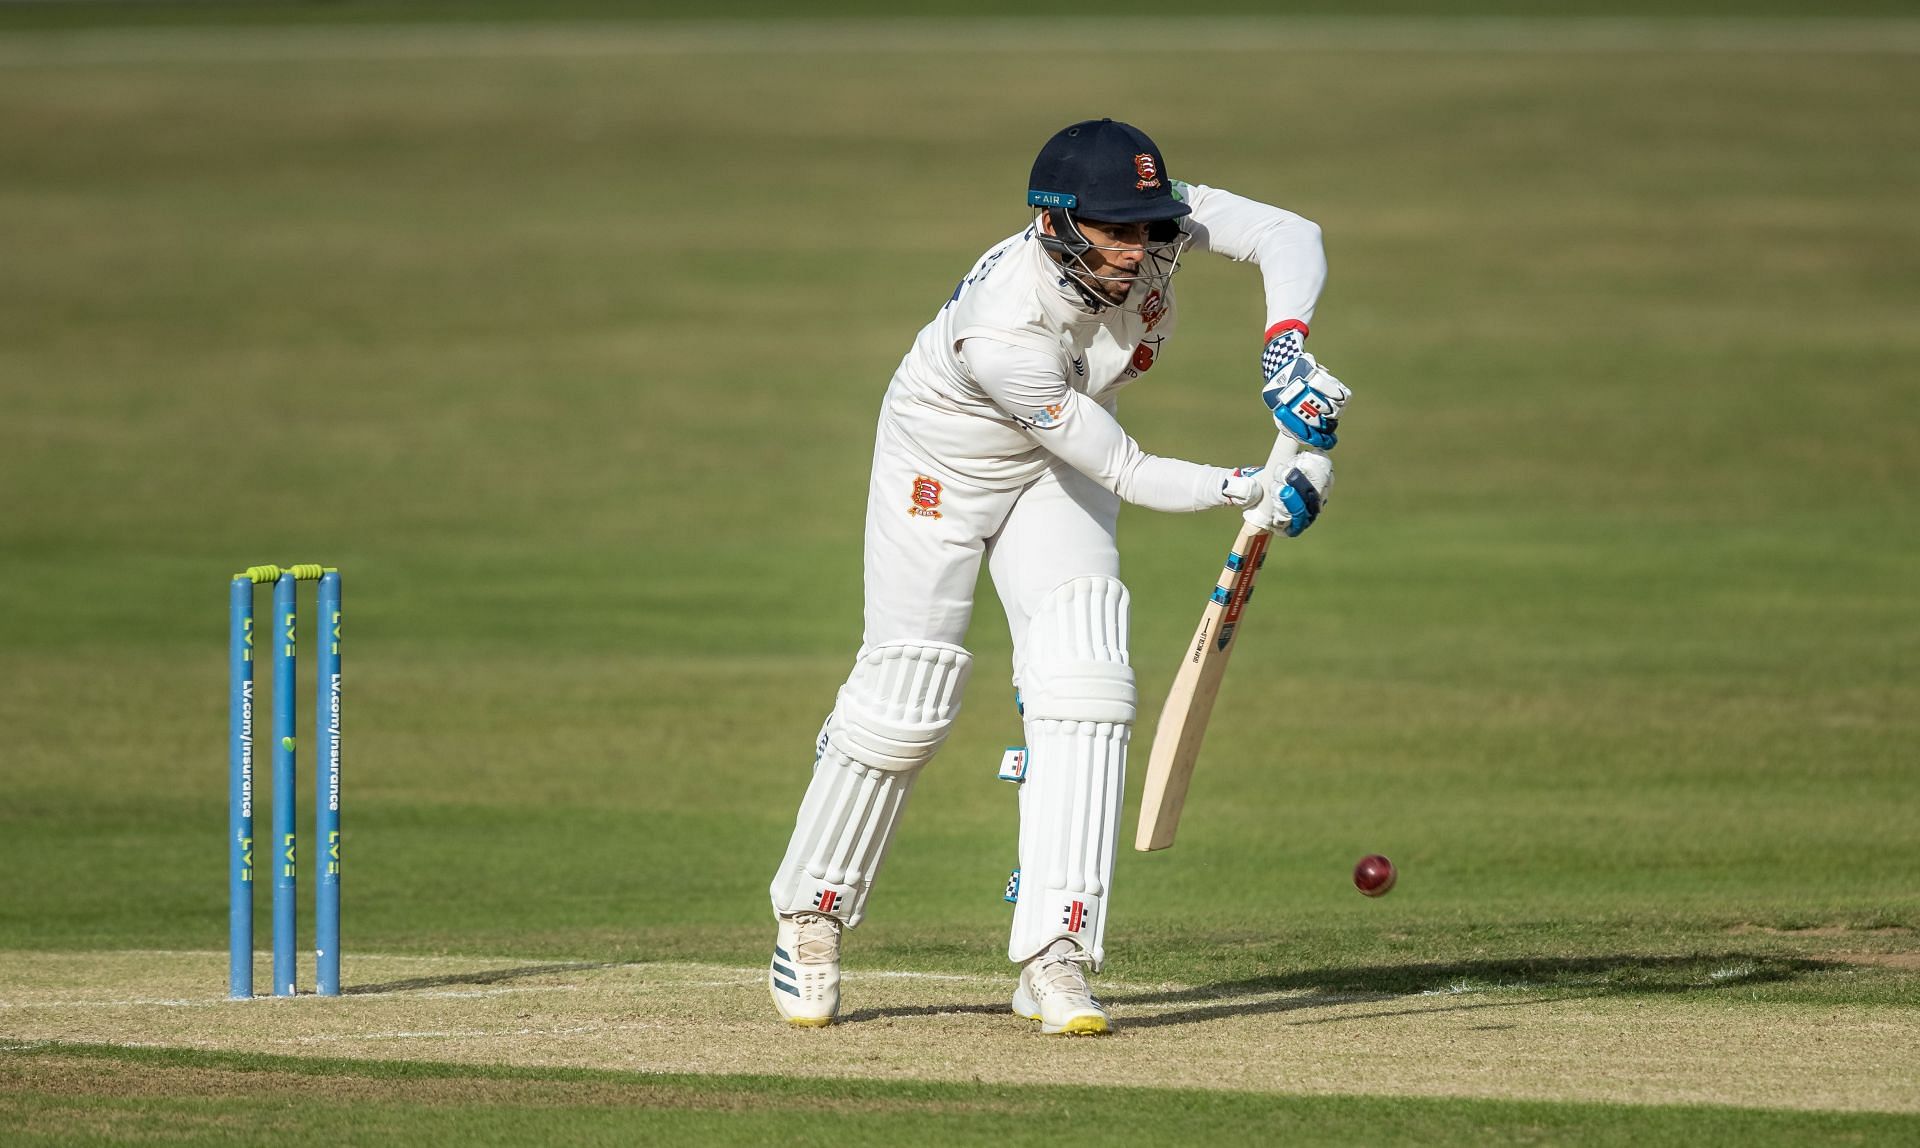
(1284, 448)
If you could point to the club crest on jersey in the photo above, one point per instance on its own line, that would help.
(1147, 169)
(1074, 916)
(1152, 309)
(926, 497)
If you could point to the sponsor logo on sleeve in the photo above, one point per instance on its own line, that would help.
(926, 497)
(1142, 359)
(1050, 415)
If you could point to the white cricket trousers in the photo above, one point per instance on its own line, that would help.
(927, 532)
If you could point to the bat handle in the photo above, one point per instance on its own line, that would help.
(1284, 448)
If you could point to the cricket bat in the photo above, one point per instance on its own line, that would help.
(1183, 720)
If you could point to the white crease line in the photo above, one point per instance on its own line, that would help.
(464, 963)
(1307, 996)
(859, 974)
(261, 956)
(452, 994)
(612, 40)
(1467, 988)
(414, 994)
(130, 1003)
(978, 978)
(653, 975)
(441, 1034)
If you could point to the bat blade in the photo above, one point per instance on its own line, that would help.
(1183, 720)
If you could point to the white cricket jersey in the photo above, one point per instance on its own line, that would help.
(1018, 368)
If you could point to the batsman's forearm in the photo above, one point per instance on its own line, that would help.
(1173, 485)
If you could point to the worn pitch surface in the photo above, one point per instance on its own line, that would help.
(1505, 1043)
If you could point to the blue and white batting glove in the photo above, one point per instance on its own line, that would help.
(1306, 400)
(1286, 501)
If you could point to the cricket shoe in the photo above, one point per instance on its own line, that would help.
(1053, 990)
(804, 976)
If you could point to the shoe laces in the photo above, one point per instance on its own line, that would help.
(1062, 972)
(818, 939)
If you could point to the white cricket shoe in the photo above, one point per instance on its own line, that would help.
(804, 976)
(1053, 990)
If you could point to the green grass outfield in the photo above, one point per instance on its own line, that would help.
(231, 1099)
(564, 343)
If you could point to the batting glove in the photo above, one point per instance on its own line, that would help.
(1284, 501)
(1306, 401)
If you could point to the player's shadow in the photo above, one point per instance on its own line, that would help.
(479, 977)
(1541, 979)
(894, 1012)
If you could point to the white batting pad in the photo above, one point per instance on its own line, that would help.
(888, 721)
(1080, 702)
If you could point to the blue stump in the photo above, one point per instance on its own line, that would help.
(286, 914)
(326, 772)
(240, 787)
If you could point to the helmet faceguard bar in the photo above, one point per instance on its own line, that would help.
(1166, 243)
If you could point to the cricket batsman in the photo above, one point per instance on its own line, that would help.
(998, 441)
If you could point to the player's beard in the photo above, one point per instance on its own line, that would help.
(1109, 285)
(1106, 284)
(1116, 291)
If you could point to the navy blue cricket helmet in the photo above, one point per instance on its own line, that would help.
(1104, 170)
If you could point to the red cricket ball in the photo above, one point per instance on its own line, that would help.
(1374, 875)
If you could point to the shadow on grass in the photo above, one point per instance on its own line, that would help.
(1543, 979)
(476, 977)
(1605, 974)
(1201, 1013)
(860, 1015)
(1554, 978)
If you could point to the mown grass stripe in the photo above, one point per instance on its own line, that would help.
(62, 1093)
(589, 40)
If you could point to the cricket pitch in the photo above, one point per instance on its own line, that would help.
(1501, 1042)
